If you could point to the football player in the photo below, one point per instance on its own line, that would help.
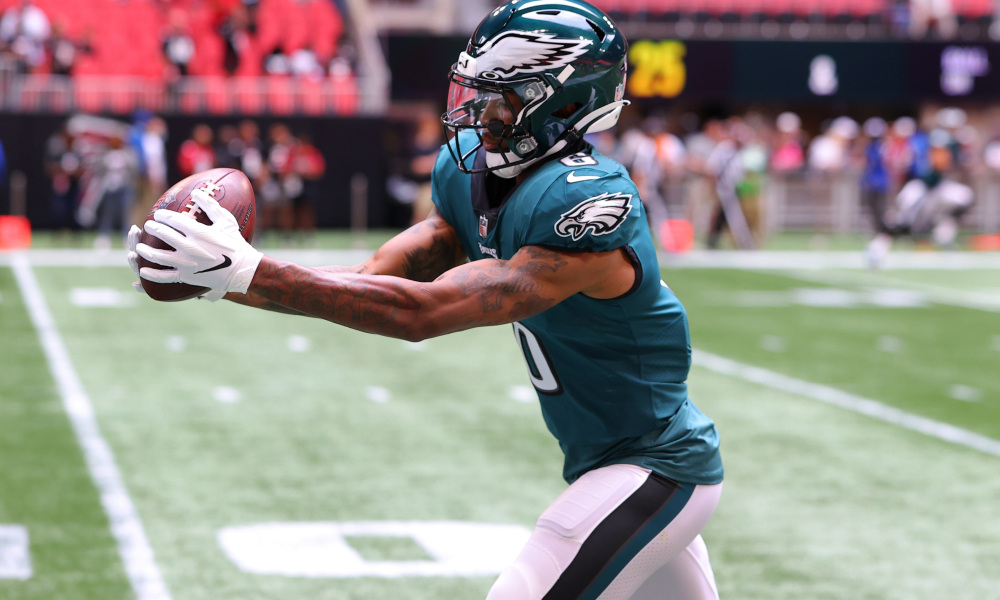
(535, 228)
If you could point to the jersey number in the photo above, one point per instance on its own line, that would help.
(543, 377)
(580, 159)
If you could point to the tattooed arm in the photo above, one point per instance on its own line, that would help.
(483, 292)
(421, 253)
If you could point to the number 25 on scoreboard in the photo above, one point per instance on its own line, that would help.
(658, 68)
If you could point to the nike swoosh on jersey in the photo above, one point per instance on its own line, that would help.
(222, 265)
(573, 178)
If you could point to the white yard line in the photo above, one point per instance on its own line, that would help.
(127, 528)
(858, 404)
(936, 293)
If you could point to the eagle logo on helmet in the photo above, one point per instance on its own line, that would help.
(515, 52)
(600, 215)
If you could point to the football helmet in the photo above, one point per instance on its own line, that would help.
(535, 76)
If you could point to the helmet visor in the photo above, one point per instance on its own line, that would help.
(488, 110)
(495, 113)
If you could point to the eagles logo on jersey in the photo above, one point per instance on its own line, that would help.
(599, 215)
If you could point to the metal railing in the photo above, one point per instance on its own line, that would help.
(191, 95)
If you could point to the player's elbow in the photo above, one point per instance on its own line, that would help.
(426, 324)
(419, 330)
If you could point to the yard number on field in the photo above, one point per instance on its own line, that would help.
(15, 562)
(330, 549)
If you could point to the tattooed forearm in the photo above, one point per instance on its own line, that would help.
(374, 304)
(482, 292)
(255, 301)
(427, 262)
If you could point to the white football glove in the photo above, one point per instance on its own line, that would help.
(133, 256)
(133, 261)
(214, 256)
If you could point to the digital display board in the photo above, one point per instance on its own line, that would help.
(676, 69)
(818, 71)
(954, 70)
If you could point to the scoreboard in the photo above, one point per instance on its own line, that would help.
(772, 71)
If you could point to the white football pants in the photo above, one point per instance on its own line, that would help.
(617, 533)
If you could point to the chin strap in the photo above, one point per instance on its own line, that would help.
(601, 119)
(495, 159)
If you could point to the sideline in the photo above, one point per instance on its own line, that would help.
(127, 528)
(858, 404)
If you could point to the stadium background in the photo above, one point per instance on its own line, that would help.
(375, 65)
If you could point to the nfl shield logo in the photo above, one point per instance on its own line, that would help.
(484, 225)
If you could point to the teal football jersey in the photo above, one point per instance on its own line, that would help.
(610, 374)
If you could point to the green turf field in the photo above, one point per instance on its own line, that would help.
(239, 455)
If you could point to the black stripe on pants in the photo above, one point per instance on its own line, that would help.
(612, 535)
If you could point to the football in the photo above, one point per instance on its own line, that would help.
(231, 188)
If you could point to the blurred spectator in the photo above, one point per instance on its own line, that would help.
(754, 158)
(227, 147)
(304, 63)
(898, 151)
(252, 8)
(701, 196)
(196, 153)
(953, 121)
(919, 155)
(726, 168)
(669, 161)
(925, 14)
(63, 166)
(277, 211)
(238, 38)
(637, 152)
(427, 140)
(787, 155)
(64, 50)
(250, 150)
(276, 62)
(928, 205)
(991, 152)
(178, 45)
(875, 175)
(307, 167)
(831, 151)
(110, 191)
(24, 29)
(153, 160)
(671, 154)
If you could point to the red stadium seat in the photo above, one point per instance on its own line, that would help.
(88, 94)
(344, 94)
(973, 9)
(314, 96)
(249, 94)
(280, 95)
